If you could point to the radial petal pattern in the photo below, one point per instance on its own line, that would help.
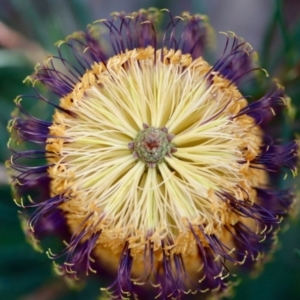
(154, 166)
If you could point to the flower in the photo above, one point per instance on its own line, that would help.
(158, 170)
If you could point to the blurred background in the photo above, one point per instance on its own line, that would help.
(28, 31)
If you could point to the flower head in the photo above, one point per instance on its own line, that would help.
(158, 170)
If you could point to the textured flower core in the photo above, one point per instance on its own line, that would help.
(152, 144)
(98, 172)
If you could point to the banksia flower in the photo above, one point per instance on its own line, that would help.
(154, 167)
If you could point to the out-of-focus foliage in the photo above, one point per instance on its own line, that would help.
(28, 31)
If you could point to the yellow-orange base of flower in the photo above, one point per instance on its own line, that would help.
(109, 190)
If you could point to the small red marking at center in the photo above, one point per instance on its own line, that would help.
(152, 144)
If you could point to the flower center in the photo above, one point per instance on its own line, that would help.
(152, 144)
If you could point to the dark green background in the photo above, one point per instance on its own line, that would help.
(26, 274)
